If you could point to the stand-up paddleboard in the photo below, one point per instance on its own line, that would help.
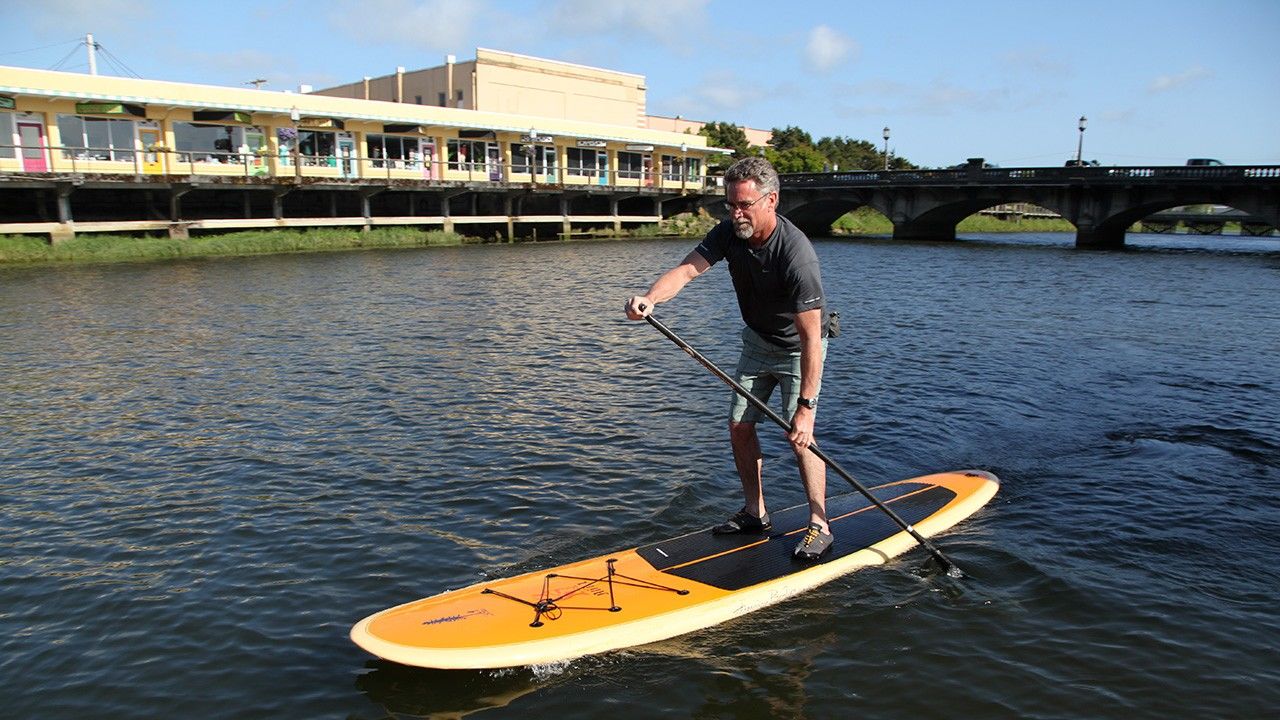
(661, 590)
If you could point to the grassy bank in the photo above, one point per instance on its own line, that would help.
(95, 248)
(21, 249)
(16, 249)
(866, 221)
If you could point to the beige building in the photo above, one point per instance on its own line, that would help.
(677, 124)
(503, 82)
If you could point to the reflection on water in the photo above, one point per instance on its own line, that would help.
(405, 692)
(214, 468)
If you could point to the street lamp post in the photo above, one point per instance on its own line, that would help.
(684, 165)
(886, 147)
(1080, 144)
(533, 155)
(295, 151)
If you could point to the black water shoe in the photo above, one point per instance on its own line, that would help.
(814, 543)
(744, 522)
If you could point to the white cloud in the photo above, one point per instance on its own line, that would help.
(664, 21)
(71, 17)
(1038, 61)
(1119, 116)
(717, 96)
(437, 25)
(1165, 83)
(827, 48)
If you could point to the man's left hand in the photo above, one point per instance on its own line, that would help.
(801, 435)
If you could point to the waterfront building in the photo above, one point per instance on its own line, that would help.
(64, 136)
(58, 122)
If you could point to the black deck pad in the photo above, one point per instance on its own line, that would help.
(733, 562)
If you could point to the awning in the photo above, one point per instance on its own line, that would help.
(7, 103)
(234, 116)
(322, 122)
(477, 134)
(404, 128)
(110, 108)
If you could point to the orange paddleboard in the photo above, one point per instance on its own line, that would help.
(664, 589)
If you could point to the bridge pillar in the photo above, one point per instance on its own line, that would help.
(64, 202)
(277, 200)
(923, 230)
(1100, 238)
(175, 200)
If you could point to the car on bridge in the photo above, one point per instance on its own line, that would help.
(1204, 162)
(1080, 163)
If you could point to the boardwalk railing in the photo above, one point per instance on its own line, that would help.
(42, 161)
(1035, 176)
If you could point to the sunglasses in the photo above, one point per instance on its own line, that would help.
(744, 206)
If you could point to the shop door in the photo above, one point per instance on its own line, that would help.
(494, 156)
(602, 163)
(428, 159)
(347, 155)
(256, 142)
(151, 162)
(547, 162)
(647, 172)
(31, 138)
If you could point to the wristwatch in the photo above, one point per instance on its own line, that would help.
(811, 403)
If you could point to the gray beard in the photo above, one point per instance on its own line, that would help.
(744, 229)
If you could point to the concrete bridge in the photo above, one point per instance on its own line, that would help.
(1102, 202)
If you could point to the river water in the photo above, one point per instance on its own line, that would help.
(212, 469)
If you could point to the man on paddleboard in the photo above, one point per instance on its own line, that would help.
(779, 287)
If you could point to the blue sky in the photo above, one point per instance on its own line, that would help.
(1159, 81)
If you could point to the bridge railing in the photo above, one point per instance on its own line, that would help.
(1247, 174)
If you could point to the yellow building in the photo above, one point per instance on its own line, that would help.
(57, 122)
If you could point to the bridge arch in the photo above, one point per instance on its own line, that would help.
(816, 214)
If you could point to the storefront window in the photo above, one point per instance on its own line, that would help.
(91, 138)
(317, 148)
(583, 162)
(467, 155)
(205, 143)
(7, 141)
(396, 151)
(520, 156)
(630, 165)
(672, 165)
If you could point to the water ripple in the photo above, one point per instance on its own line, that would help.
(213, 468)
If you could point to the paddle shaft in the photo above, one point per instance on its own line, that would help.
(759, 405)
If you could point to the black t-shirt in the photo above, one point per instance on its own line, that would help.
(773, 283)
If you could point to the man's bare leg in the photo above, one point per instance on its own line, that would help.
(813, 473)
(750, 462)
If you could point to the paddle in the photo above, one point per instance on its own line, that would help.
(949, 567)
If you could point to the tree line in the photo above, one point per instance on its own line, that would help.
(792, 150)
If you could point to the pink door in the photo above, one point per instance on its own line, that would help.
(31, 138)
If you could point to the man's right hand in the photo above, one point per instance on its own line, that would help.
(639, 307)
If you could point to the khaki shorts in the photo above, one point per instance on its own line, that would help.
(762, 367)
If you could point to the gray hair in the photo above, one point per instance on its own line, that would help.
(756, 169)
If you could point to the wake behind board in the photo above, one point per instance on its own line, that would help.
(664, 589)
